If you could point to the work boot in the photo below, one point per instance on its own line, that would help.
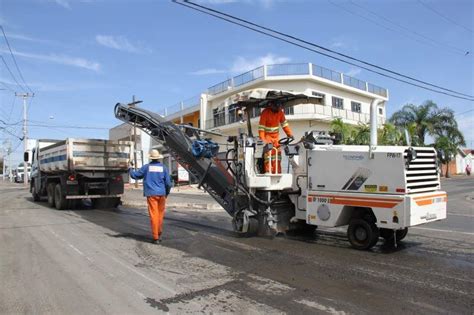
(158, 241)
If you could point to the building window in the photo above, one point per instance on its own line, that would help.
(380, 111)
(355, 107)
(289, 110)
(337, 102)
(233, 113)
(219, 117)
(321, 98)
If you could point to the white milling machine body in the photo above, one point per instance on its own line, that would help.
(378, 191)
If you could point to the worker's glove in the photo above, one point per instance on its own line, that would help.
(131, 163)
(291, 138)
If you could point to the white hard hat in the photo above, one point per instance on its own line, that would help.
(155, 155)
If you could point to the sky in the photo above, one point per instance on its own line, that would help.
(81, 57)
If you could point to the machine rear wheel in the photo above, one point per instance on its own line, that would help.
(362, 234)
(50, 192)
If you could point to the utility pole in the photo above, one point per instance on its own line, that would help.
(134, 133)
(25, 134)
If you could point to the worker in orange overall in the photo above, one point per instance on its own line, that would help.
(269, 131)
(156, 187)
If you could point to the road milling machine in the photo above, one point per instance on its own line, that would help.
(377, 191)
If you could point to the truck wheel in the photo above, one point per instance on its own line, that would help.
(362, 234)
(34, 193)
(401, 234)
(59, 199)
(50, 192)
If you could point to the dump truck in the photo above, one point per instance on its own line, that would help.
(67, 171)
(376, 191)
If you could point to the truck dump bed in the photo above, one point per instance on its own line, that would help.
(85, 155)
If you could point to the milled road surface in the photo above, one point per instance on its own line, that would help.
(96, 261)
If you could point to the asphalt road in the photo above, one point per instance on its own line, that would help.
(95, 261)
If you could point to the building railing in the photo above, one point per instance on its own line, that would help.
(295, 69)
(287, 69)
(327, 113)
(248, 76)
(327, 74)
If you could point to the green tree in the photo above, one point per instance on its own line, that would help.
(340, 127)
(390, 134)
(448, 137)
(423, 118)
(361, 134)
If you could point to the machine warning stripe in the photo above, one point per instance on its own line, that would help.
(431, 200)
(348, 202)
(360, 198)
(430, 196)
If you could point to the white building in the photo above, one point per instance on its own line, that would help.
(340, 96)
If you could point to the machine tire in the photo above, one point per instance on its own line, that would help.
(50, 193)
(60, 201)
(34, 194)
(401, 234)
(362, 234)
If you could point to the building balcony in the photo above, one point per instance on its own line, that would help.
(311, 112)
(298, 69)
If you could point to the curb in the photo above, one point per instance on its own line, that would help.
(196, 206)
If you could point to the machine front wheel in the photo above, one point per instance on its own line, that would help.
(362, 234)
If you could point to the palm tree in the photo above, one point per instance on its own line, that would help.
(390, 135)
(338, 126)
(424, 117)
(361, 134)
(449, 142)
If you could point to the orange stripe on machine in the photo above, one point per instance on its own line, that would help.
(360, 201)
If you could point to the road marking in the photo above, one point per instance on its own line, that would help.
(446, 231)
(461, 215)
(320, 307)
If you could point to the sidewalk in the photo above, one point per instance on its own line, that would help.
(188, 197)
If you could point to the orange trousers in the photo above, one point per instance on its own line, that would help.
(156, 210)
(274, 166)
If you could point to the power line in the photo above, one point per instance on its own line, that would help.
(11, 73)
(14, 59)
(468, 111)
(440, 44)
(259, 28)
(444, 16)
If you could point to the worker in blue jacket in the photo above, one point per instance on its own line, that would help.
(156, 187)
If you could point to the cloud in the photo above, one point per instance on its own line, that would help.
(242, 64)
(120, 43)
(63, 3)
(353, 72)
(337, 44)
(208, 71)
(60, 59)
(28, 38)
